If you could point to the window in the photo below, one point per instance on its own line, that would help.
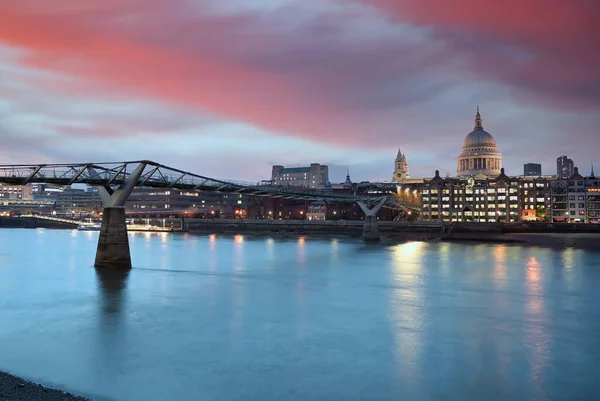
(582, 212)
(572, 197)
(572, 212)
(572, 205)
(581, 205)
(580, 197)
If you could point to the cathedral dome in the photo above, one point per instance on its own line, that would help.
(479, 139)
(479, 154)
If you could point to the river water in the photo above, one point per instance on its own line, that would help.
(255, 318)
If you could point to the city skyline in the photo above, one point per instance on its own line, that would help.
(230, 90)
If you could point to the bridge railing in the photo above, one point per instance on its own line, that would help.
(161, 176)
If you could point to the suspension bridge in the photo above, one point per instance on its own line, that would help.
(116, 180)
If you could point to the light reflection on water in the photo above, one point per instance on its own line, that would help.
(238, 317)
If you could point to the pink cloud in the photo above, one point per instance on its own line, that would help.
(547, 50)
(129, 60)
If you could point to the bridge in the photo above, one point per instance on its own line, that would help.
(116, 180)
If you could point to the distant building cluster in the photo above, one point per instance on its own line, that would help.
(482, 192)
(479, 192)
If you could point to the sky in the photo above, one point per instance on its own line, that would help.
(227, 89)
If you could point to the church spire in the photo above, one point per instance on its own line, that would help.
(593, 175)
(399, 155)
(478, 122)
(348, 181)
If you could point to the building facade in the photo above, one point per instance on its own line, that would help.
(532, 169)
(401, 168)
(315, 176)
(15, 192)
(471, 199)
(564, 167)
(77, 201)
(479, 156)
(535, 198)
(151, 201)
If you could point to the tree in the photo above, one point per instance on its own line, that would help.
(540, 213)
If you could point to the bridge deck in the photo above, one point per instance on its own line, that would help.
(155, 175)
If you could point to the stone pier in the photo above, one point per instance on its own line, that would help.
(371, 229)
(113, 244)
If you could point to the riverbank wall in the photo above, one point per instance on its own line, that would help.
(34, 222)
(542, 234)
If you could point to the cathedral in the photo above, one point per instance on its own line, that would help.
(401, 171)
(479, 157)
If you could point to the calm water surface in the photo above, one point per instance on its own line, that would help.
(242, 318)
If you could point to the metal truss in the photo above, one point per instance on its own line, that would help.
(111, 175)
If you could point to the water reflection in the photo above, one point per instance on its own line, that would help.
(537, 337)
(112, 340)
(301, 247)
(499, 271)
(406, 307)
(112, 284)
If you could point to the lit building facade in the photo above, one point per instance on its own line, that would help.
(71, 201)
(15, 192)
(471, 199)
(535, 198)
(479, 156)
(314, 176)
(593, 201)
(210, 204)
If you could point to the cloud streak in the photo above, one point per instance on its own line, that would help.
(314, 78)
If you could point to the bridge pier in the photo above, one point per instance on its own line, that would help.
(370, 228)
(113, 242)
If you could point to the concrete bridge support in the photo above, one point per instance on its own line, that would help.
(113, 243)
(370, 229)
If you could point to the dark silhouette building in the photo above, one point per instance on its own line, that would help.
(564, 167)
(532, 170)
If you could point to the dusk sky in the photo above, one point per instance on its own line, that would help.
(228, 88)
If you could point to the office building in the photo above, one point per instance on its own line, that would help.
(15, 192)
(564, 168)
(532, 169)
(315, 176)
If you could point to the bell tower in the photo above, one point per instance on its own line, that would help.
(401, 170)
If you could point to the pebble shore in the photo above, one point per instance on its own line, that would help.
(13, 388)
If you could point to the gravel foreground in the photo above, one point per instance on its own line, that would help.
(13, 388)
